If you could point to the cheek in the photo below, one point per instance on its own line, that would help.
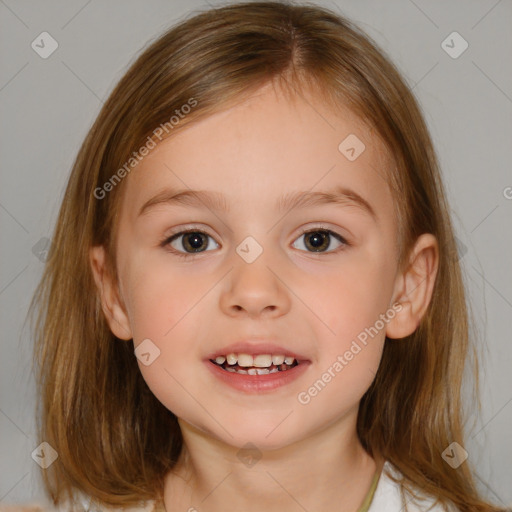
(354, 297)
(160, 298)
(163, 309)
(351, 334)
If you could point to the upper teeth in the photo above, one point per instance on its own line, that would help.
(259, 361)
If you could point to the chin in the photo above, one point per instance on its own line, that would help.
(265, 432)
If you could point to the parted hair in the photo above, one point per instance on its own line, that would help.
(115, 441)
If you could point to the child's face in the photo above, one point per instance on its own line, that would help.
(310, 303)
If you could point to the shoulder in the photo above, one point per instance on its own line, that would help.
(388, 496)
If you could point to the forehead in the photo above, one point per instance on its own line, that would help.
(262, 148)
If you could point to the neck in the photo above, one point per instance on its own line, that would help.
(328, 467)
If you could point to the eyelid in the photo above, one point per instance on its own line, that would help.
(323, 227)
(187, 228)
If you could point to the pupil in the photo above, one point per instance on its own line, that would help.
(318, 238)
(194, 240)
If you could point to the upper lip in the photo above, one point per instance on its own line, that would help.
(254, 348)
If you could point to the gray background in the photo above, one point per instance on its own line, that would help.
(47, 106)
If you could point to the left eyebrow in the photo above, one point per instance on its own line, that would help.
(340, 196)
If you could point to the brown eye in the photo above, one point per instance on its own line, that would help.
(319, 240)
(192, 241)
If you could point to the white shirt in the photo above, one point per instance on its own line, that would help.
(387, 497)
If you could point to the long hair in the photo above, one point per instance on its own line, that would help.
(114, 439)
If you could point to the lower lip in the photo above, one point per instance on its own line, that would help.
(257, 383)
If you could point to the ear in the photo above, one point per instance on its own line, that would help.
(414, 286)
(115, 313)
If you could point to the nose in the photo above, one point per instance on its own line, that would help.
(255, 289)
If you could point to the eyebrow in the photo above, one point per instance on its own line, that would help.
(340, 196)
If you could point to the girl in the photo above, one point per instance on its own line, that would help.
(258, 208)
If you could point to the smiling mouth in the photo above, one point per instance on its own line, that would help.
(263, 364)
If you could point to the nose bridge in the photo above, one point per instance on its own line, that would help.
(255, 233)
(252, 262)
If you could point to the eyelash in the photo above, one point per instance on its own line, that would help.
(165, 243)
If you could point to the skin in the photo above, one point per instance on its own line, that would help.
(315, 304)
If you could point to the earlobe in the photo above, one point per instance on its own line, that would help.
(115, 313)
(414, 287)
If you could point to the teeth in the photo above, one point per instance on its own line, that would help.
(258, 371)
(245, 360)
(259, 361)
(277, 360)
(262, 361)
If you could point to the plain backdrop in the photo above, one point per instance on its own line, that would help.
(47, 106)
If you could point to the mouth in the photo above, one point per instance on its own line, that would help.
(259, 364)
(256, 369)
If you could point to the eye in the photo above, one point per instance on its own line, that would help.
(319, 239)
(193, 241)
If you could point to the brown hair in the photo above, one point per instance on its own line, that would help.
(114, 439)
